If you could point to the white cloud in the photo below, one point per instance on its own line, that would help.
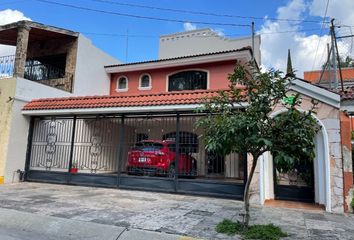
(219, 32)
(8, 16)
(189, 26)
(303, 47)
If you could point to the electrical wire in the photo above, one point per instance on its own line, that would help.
(319, 40)
(140, 16)
(203, 13)
(157, 36)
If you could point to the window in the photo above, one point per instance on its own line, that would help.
(145, 82)
(188, 80)
(122, 84)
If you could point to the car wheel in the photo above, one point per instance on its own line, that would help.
(171, 171)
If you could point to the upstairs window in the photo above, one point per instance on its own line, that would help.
(122, 84)
(145, 82)
(188, 80)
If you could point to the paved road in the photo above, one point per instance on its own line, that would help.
(167, 214)
(16, 225)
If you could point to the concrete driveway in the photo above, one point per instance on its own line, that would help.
(164, 213)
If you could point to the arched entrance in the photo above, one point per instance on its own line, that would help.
(320, 190)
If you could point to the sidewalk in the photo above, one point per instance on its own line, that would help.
(63, 209)
(16, 225)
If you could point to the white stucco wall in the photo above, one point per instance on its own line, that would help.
(16, 153)
(203, 41)
(90, 75)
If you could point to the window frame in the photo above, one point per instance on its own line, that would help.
(150, 82)
(187, 70)
(117, 84)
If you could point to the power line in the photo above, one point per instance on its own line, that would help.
(203, 13)
(319, 40)
(206, 36)
(141, 17)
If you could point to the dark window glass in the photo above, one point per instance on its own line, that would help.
(122, 83)
(145, 81)
(148, 146)
(188, 80)
(188, 142)
(141, 137)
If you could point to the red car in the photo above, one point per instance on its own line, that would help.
(159, 157)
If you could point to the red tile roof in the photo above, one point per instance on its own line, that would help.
(170, 98)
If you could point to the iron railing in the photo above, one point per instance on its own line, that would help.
(7, 64)
(37, 71)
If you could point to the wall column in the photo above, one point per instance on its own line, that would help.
(21, 50)
(347, 159)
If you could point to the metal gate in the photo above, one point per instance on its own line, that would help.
(159, 152)
(291, 186)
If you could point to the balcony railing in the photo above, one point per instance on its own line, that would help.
(7, 64)
(38, 72)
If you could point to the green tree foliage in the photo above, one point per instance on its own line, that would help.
(239, 120)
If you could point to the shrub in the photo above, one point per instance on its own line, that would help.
(263, 232)
(228, 227)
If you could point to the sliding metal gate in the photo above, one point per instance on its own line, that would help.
(159, 152)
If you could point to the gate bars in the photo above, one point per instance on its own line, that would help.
(102, 151)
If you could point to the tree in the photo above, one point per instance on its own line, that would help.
(238, 120)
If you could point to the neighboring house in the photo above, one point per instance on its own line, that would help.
(49, 62)
(202, 41)
(325, 78)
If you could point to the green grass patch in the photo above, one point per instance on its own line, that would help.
(263, 232)
(228, 227)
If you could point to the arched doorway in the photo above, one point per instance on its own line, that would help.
(321, 171)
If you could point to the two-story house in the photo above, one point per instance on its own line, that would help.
(49, 62)
(143, 135)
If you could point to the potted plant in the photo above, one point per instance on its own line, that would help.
(74, 168)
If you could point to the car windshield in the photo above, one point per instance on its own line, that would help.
(148, 146)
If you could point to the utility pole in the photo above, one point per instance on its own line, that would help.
(334, 60)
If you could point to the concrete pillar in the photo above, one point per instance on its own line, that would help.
(21, 50)
(70, 65)
(345, 132)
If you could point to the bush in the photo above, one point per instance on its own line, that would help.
(228, 227)
(263, 232)
(352, 203)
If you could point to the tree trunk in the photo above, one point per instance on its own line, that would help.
(246, 196)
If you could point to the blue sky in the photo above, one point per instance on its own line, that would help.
(143, 42)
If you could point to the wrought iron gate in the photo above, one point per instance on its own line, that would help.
(160, 152)
(291, 186)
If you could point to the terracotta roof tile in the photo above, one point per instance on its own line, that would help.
(170, 98)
